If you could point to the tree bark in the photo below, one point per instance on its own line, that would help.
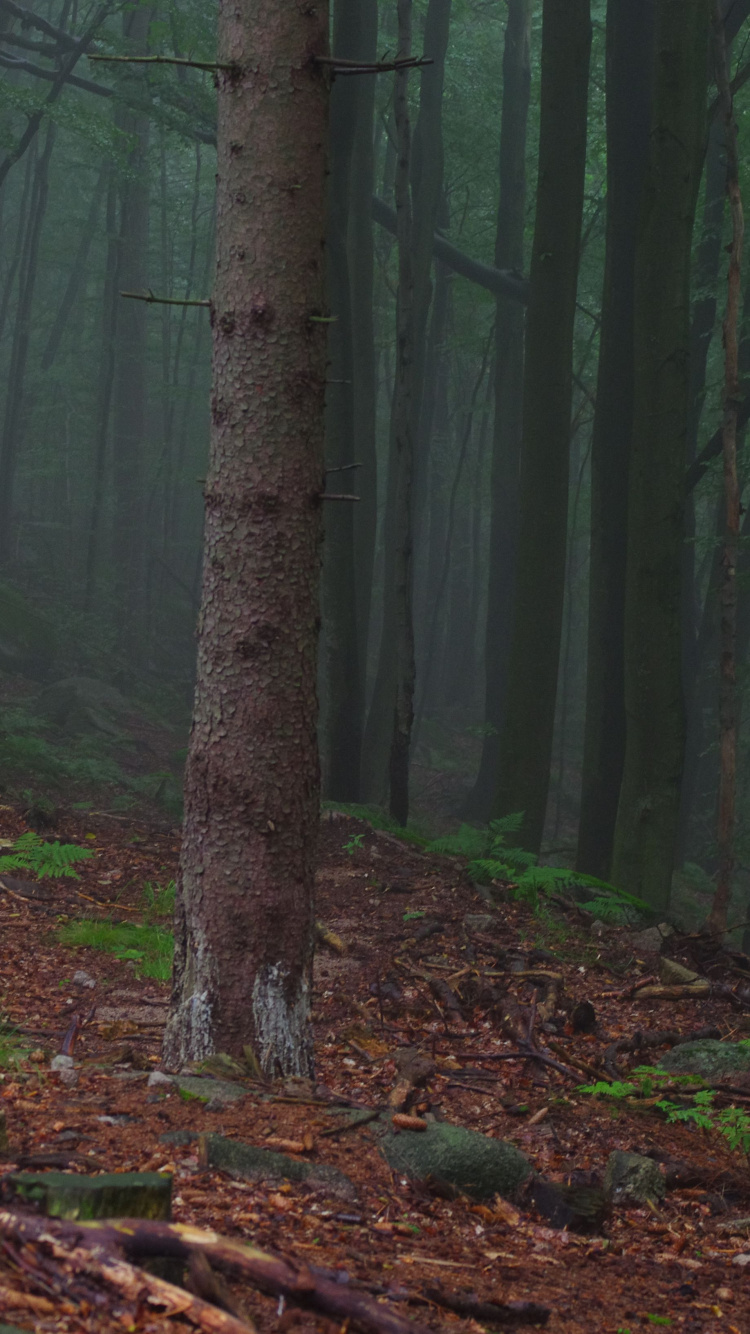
(629, 56)
(527, 732)
(728, 704)
(654, 751)
(506, 445)
(244, 919)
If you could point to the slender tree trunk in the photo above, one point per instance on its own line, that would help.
(130, 384)
(343, 671)
(717, 919)
(629, 57)
(106, 376)
(506, 448)
(244, 919)
(78, 272)
(15, 403)
(388, 731)
(527, 733)
(654, 752)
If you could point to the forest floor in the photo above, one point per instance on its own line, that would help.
(674, 1262)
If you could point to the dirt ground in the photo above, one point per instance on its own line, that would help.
(673, 1264)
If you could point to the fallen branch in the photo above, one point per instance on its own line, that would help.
(492, 1313)
(690, 990)
(96, 1250)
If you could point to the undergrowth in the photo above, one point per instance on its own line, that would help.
(31, 853)
(732, 1123)
(489, 856)
(379, 819)
(149, 947)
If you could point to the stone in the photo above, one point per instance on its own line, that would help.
(68, 1077)
(252, 1164)
(61, 1063)
(158, 1079)
(480, 921)
(673, 974)
(81, 979)
(217, 1092)
(464, 1160)
(652, 939)
(111, 1195)
(179, 1138)
(632, 1179)
(710, 1059)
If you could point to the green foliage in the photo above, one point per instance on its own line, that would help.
(353, 844)
(32, 853)
(150, 947)
(489, 858)
(159, 900)
(378, 818)
(733, 1123)
(13, 1048)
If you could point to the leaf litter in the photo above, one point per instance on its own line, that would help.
(471, 1022)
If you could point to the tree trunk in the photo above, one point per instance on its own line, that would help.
(629, 56)
(527, 733)
(106, 375)
(130, 383)
(344, 684)
(244, 919)
(717, 919)
(649, 799)
(506, 447)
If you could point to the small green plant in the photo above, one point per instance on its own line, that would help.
(13, 1049)
(412, 916)
(32, 853)
(158, 900)
(353, 844)
(150, 947)
(490, 857)
(733, 1123)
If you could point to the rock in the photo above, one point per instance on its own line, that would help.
(27, 640)
(673, 974)
(180, 1138)
(633, 1179)
(111, 1195)
(158, 1079)
(81, 979)
(68, 1077)
(464, 1160)
(480, 921)
(598, 927)
(61, 1063)
(217, 1092)
(651, 940)
(708, 1058)
(81, 704)
(579, 1208)
(252, 1164)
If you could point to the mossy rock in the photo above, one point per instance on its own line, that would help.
(112, 1195)
(27, 640)
(464, 1160)
(632, 1179)
(708, 1058)
(252, 1164)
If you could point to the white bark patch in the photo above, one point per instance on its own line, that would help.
(281, 1025)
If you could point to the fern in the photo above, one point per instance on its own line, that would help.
(32, 853)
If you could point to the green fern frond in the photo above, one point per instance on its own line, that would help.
(32, 853)
(467, 842)
(507, 824)
(485, 869)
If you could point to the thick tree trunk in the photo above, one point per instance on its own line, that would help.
(654, 751)
(244, 920)
(629, 57)
(506, 447)
(527, 732)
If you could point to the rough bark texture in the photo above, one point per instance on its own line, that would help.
(629, 54)
(506, 448)
(244, 922)
(526, 738)
(649, 798)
